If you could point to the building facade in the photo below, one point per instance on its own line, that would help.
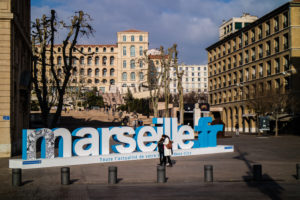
(110, 68)
(235, 24)
(263, 55)
(15, 59)
(194, 79)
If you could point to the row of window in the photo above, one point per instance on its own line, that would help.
(271, 67)
(89, 72)
(249, 91)
(132, 38)
(255, 34)
(96, 81)
(89, 60)
(89, 49)
(132, 76)
(278, 44)
(132, 51)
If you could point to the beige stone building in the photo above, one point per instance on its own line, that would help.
(15, 62)
(265, 54)
(110, 68)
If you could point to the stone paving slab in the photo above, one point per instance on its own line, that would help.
(137, 179)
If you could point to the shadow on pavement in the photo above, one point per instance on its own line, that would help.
(268, 186)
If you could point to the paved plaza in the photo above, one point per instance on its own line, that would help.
(137, 179)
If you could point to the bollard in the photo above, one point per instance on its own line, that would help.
(65, 175)
(257, 173)
(17, 177)
(112, 174)
(297, 171)
(208, 173)
(161, 174)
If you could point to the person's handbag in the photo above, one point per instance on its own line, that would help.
(169, 145)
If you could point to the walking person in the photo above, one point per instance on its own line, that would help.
(160, 147)
(167, 150)
(237, 129)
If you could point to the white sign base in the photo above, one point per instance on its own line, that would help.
(80, 160)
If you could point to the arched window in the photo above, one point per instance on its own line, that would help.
(124, 63)
(59, 60)
(58, 49)
(81, 71)
(96, 80)
(97, 60)
(124, 76)
(132, 50)
(104, 60)
(89, 72)
(111, 60)
(96, 72)
(112, 72)
(141, 64)
(104, 49)
(132, 64)
(89, 61)
(81, 49)
(97, 49)
(74, 61)
(89, 49)
(74, 80)
(111, 49)
(82, 60)
(141, 38)
(104, 71)
(89, 81)
(124, 38)
(141, 75)
(104, 81)
(82, 80)
(74, 71)
(141, 50)
(132, 38)
(112, 81)
(124, 51)
(132, 76)
(59, 72)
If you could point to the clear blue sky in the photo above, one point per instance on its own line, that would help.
(192, 24)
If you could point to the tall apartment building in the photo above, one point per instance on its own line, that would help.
(195, 79)
(235, 24)
(265, 54)
(15, 59)
(112, 67)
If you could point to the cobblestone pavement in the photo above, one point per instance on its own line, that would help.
(137, 179)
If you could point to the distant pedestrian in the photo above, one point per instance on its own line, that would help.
(237, 129)
(167, 150)
(160, 147)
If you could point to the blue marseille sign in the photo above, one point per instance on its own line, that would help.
(93, 145)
